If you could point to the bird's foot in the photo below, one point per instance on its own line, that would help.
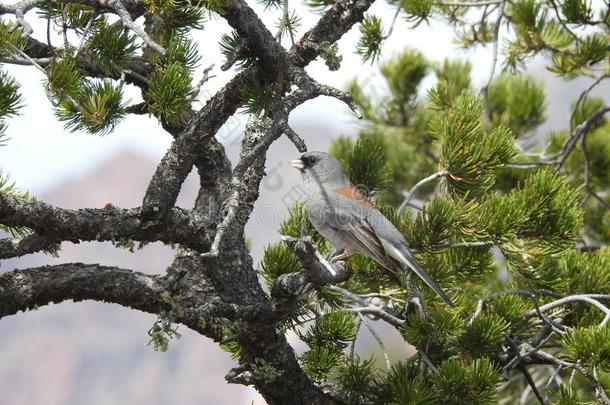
(415, 304)
(415, 299)
(342, 256)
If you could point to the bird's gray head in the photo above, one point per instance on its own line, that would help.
(321, 167)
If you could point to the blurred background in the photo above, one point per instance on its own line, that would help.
(96, 353)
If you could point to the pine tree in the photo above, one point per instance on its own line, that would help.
(516, 235)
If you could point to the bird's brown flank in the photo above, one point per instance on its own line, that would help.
(353, 193)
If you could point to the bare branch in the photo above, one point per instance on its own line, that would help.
(394, 19)
(26, 61)
(584, 95)
(104, 224)
(26, 57)
(298, 142)
(418, 185)
(30, 244)
(26, 289)
(368, 325)
(548, 358)
(379, 313)
(578, 133)
(494, 62)
(589, 299)
(122, 12)
(532, 385)
(22, 290)
(320, 272)
(206, 76)
(19, 9)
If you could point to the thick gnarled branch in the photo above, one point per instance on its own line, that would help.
(21, 290)
(317, 272)
(230, 274)
(104, 224)
(178, 161)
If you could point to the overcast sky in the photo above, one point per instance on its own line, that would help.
(41, 152)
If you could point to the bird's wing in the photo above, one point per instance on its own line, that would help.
(404, 256)
(360, 236)
(362, 225)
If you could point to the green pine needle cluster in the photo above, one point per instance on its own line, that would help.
(467, 152)
(10, 101)
(365, 162)
(169, 16)
(178, 49)
(64, 78)
(233, 46)
(278, 260)
(461, 383)
(577, 11)
(92, 106)
(73, 16)
(170, 93)
(403, 384)
(436, 334)
(552, 209)
(288, 25)
(11, 38)
(566, 395)
(356, 381)
(9, 188)
(371, 38)
(549, 29)
(589, 347)
(256, 97)
(110, 47)
(483, 336)
(586, 273)
(320, 5)
(330, 334)
(517, 102)
(270, 4)
(417, 10)
(96, 109)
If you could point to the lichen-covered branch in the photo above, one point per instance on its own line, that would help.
(165, 185)
(101, 224)
(22, 290)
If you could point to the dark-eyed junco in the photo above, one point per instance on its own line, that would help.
(350, 222)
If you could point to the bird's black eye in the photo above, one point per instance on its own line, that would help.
(308, 160)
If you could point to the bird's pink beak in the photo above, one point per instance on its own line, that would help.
(297, 164)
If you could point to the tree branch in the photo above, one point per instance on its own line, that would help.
(317, 272)
(30, 244)
(578, 133)
(22, 290)
(418, 185)
(104, 224)
(175, 166)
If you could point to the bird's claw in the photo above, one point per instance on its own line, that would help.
(343, 256)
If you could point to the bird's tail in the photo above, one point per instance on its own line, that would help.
(414, 265)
